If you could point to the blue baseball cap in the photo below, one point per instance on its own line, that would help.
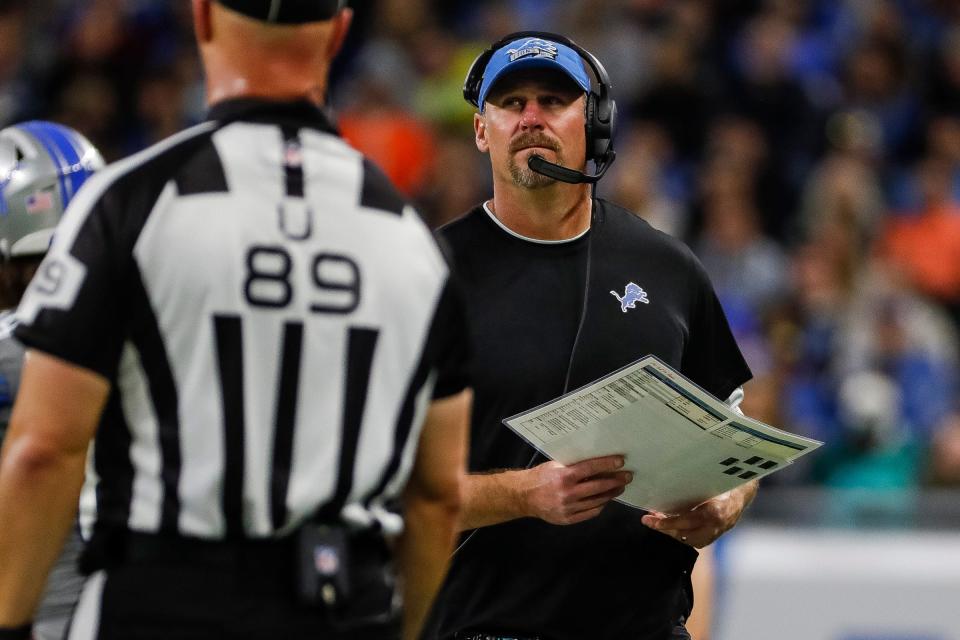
(532, 53)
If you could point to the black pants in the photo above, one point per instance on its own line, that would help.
(162, 599)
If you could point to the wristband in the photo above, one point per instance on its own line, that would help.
(16, 633)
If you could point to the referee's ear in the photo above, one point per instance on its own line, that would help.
(341, 25)
(201, 20)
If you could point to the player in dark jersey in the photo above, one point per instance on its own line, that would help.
(42, 165)
(546, 552)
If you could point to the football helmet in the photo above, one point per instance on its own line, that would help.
(42, 166)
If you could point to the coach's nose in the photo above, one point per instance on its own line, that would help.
(531, 117)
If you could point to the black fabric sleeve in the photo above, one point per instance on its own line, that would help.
(71, 308)
(448, 345)
(711, 357)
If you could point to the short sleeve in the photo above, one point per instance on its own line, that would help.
(712, 357)
(70, 309)
(448, 343)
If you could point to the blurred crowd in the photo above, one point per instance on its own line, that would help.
(808, 150)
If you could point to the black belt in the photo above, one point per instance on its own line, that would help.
(145, 547)
(118, 548)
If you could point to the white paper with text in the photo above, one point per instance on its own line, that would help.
(683, 445)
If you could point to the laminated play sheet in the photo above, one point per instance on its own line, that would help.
(683, 445)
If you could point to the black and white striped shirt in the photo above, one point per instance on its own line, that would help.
(274, 320)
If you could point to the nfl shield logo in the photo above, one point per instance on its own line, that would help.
(326, 560)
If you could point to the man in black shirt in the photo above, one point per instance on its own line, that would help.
(262, 340)
(546, 552)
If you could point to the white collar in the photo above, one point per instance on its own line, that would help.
(486, 207)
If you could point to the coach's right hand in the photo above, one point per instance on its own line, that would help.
(567, 494)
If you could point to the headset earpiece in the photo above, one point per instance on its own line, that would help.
(601, 125)
(590, 124)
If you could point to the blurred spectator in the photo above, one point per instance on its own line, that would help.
(453, 186)
(625, 46)
(764, 91)
(926, 245)
(89, 102)
(14, 87)
(442, 62)
(161, 110)
(746, 267)
(875, 449)
(943, 74)
(874, 465)
(677, 99)
(843, 194)
(810, 328)
(875, 82)
(393, 138)
(891, 330)
(642, 176)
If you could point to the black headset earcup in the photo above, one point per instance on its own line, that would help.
(471, 84)
(589, 125)
(600, 126)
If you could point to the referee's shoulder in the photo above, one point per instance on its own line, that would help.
(401, 226)
(148, 161)
(125, 190)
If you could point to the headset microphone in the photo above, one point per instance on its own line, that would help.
(570, 176)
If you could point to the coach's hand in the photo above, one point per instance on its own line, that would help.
(706, 522)
(567, 494)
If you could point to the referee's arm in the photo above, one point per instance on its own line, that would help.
(432, 507)
(41, 472)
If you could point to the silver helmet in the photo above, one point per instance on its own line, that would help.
(42, 165)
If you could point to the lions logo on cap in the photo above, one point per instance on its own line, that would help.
(534, 47)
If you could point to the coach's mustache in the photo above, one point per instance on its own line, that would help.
(525, 140)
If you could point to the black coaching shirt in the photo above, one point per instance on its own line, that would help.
(274, 320)
(610, 577)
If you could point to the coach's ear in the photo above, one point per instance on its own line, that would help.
(480, 133)
(201, 20)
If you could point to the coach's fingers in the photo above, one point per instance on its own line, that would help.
(597, 500)
(585, 515)
(687, 521)
(595, 466)
(597, 485)
(688, 529)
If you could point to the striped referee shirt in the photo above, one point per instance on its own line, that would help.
(274, 320)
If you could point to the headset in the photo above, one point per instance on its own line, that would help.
(601, 109)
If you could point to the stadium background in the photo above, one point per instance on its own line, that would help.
(808, 150)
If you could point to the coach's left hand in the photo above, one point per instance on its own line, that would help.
(706, 522)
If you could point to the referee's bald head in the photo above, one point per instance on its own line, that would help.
(273, 49)
(286, 11)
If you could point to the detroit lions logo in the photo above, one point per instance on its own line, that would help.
(631, 296)
(534, 47)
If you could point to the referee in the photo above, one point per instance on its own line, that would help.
(256, 340)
